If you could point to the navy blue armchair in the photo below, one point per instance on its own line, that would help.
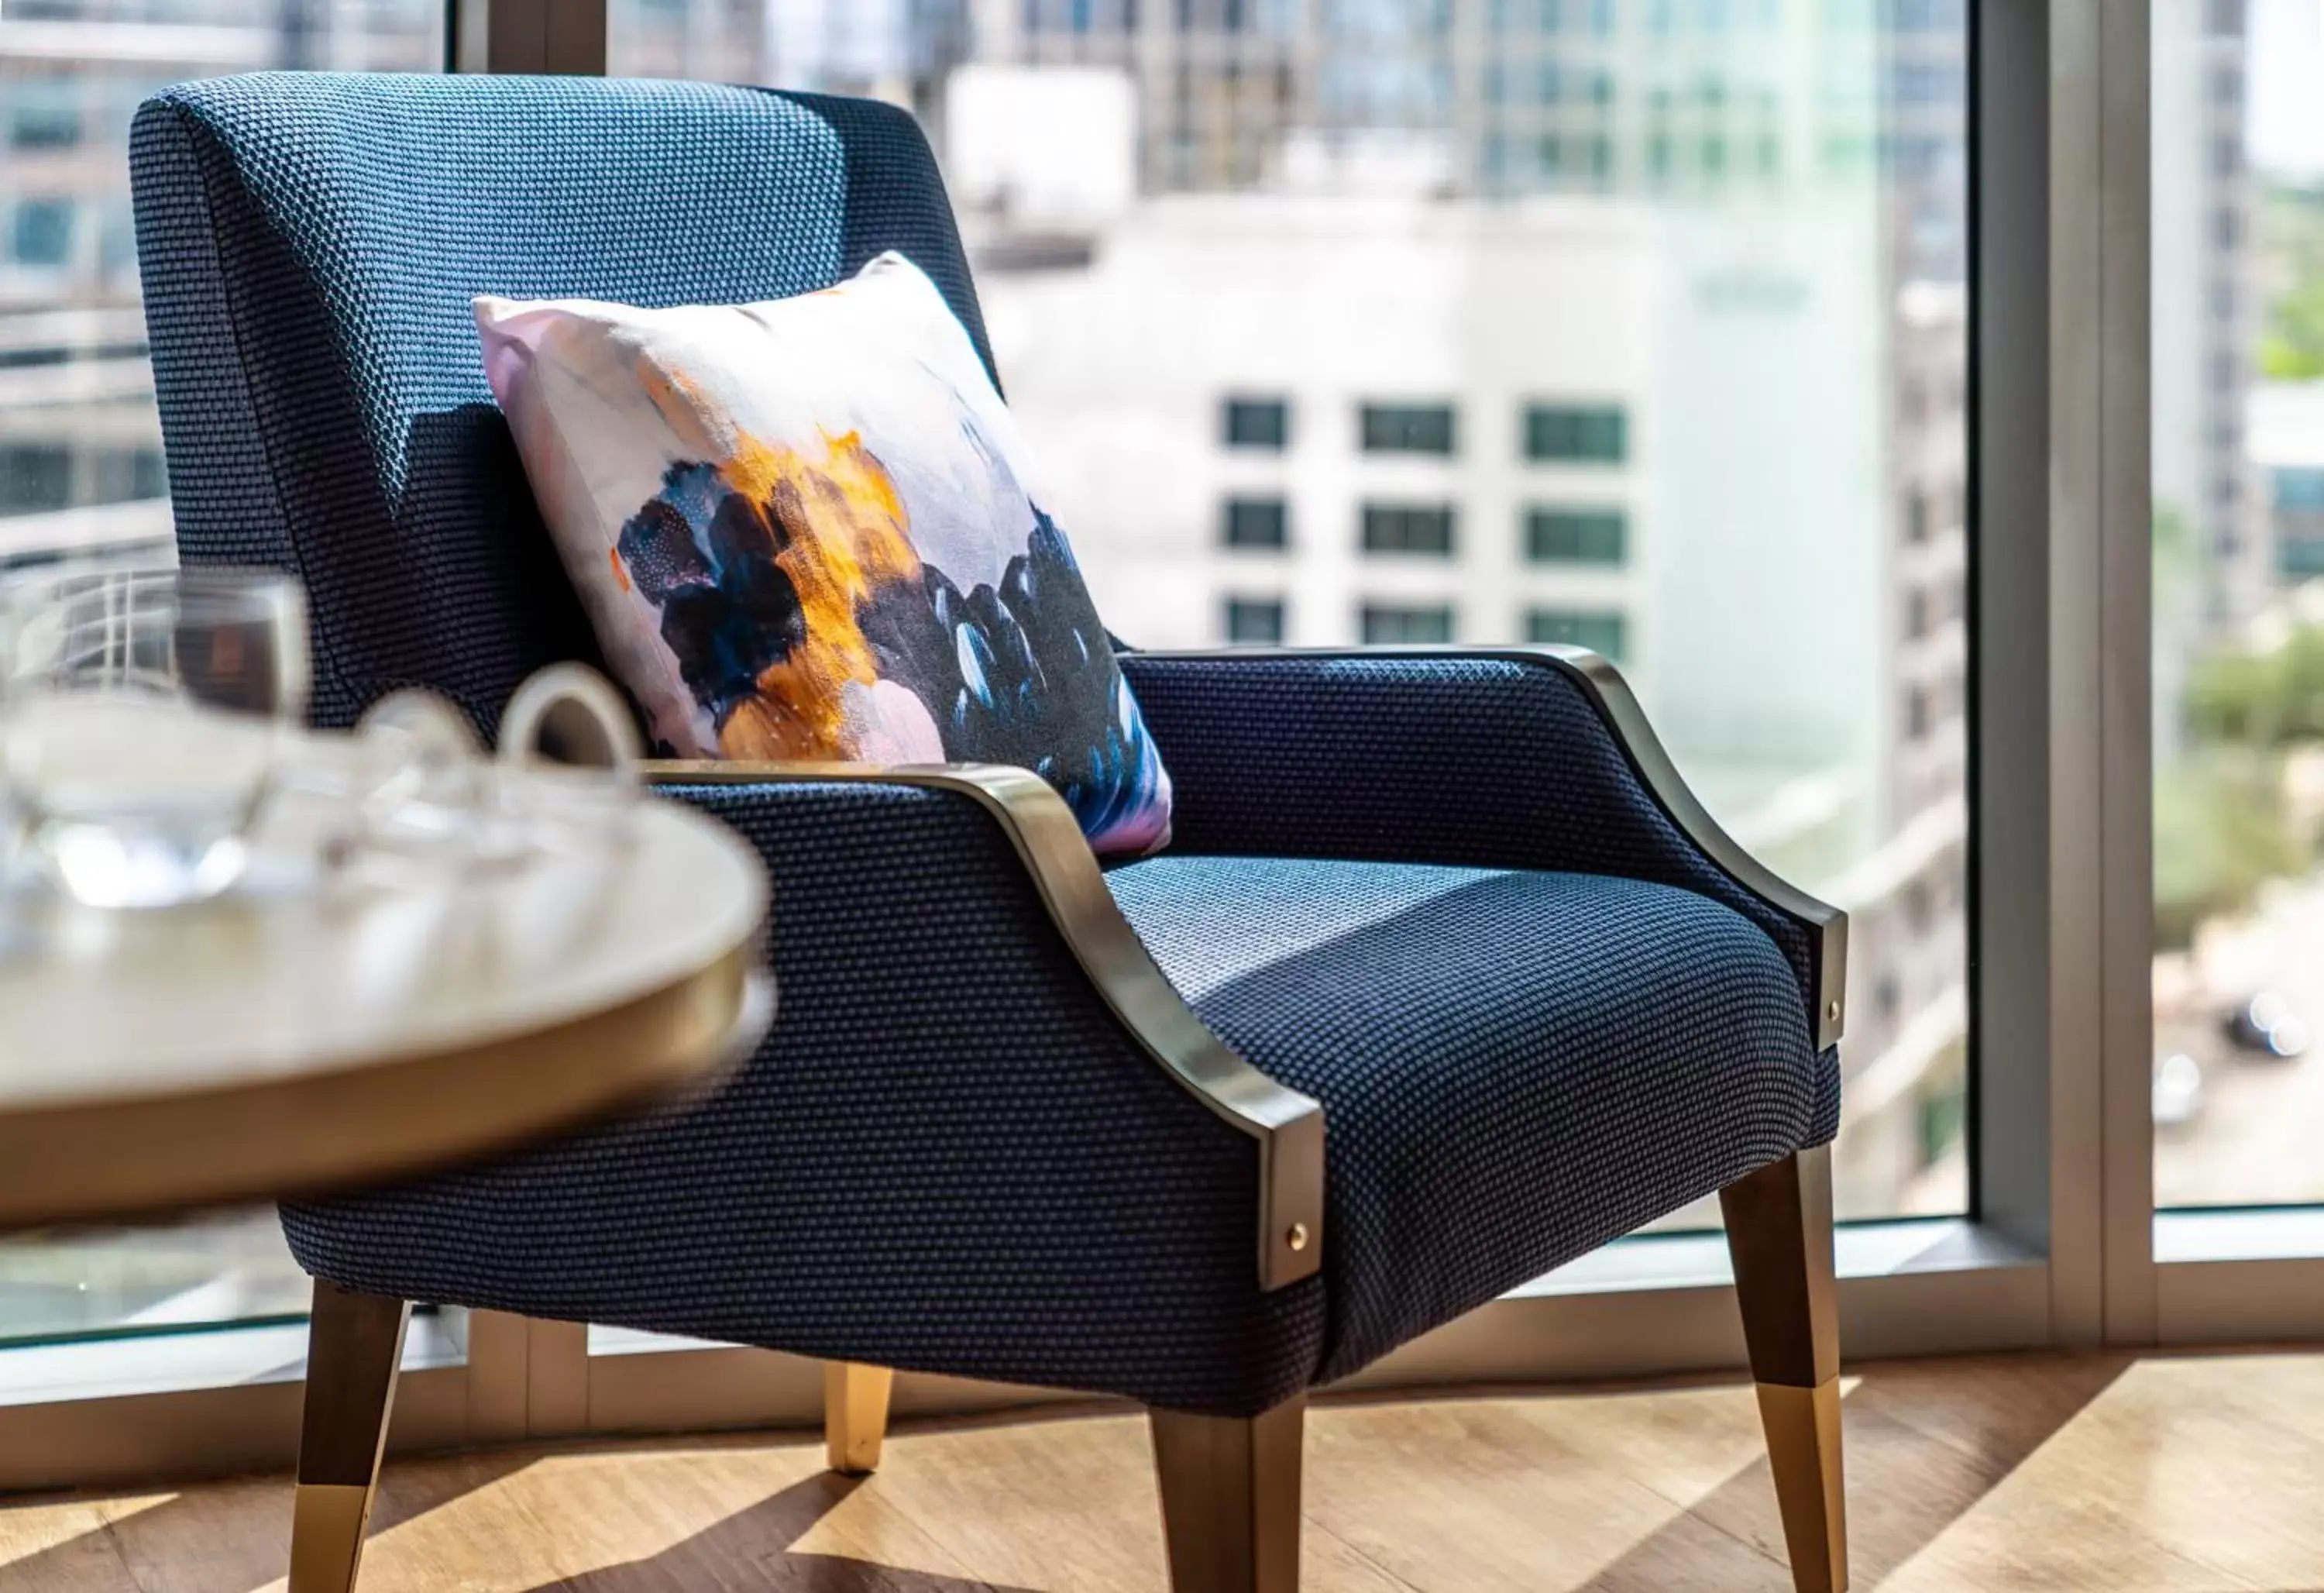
(1445, 981)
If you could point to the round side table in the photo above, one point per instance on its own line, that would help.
(271, 1045)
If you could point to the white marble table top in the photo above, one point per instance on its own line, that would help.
(278, 1042)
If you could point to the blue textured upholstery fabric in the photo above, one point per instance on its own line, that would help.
(1494, 762)
(1515, 1066)
(949, 1155)
(311, 243)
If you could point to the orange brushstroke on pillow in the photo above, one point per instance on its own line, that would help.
(620, 576)
(839, 532)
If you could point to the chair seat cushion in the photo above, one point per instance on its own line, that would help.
(1515, 1066)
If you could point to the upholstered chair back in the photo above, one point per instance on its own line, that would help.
(311, 243)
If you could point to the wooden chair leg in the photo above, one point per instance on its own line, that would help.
(1779, 1232)
(1231, 1499)
(854, 1415)
(355, 1343)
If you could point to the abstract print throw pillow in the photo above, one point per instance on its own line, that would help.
(807, 529)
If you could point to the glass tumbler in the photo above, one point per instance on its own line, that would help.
(142, 714)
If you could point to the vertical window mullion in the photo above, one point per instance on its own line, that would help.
(562, 37)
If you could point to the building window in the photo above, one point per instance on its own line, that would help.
(34, 476)
(1576, 434)
(117, 242)
(42, 232)
(1408, 428)
(1256, 522)
(1598, 629)
(1408, 528)
(1391, 623)
(1257, 422)
(46, 115)
(1916, 517)
(1254, 619)
(2300, 488)
(1574, 536)
(2299, 558)
(127, 475)
(1916, 614)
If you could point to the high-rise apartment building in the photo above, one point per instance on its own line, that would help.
(1506, 95)
(896, 49)
(2205, 315)
(1693, 225)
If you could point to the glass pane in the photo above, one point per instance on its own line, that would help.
(81, 470)
(1637, 326)
(2239, 624)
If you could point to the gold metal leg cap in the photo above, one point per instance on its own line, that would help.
(1804, 1453)
(327, 1536)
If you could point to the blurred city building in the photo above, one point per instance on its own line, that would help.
(1616, 266)
(2206, 314)
(80, 455)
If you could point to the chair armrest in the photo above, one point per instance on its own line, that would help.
(1286, 1126)
(1511, 758)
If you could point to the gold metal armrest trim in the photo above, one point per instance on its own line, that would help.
(1288, 1127)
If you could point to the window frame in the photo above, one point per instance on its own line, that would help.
(1375, 613)
(1236, 511)
(1389, 527)
(1585, 421)
(2061, 1245)
(1586, 525)
(1235, 605)
(1385, 428)
(1236, 406)
(1581, 624)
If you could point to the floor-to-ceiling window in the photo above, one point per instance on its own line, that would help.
(82, 473)
(1711, 335)
(2239, 619)
(1641, 328)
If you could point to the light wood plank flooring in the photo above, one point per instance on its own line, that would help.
(1989, 1475)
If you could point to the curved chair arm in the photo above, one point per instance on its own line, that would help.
(1521, 757)
(1287, 1126)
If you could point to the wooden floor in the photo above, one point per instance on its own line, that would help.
(2038, 1472)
